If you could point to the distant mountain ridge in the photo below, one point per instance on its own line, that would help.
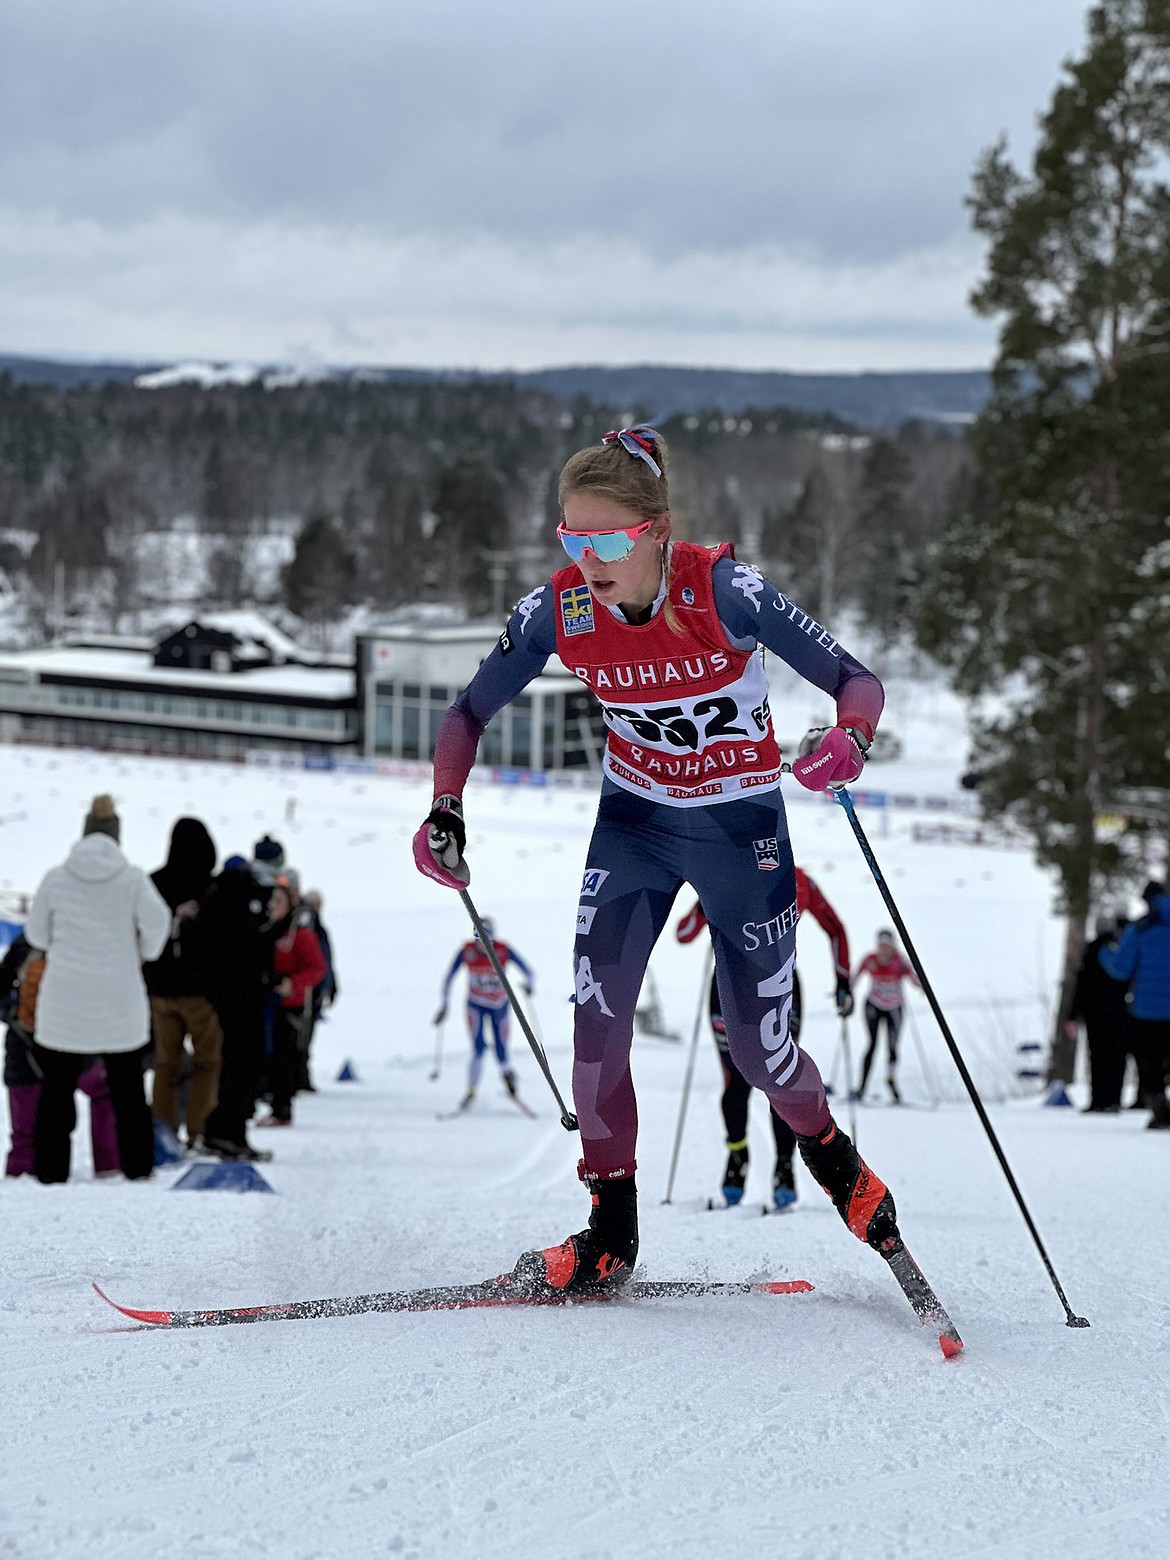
(872, 399)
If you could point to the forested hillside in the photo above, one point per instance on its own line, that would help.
(320, 497)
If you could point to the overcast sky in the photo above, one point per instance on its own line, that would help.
(508, 183)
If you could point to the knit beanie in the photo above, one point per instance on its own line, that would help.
(270, 852)
(102, 818)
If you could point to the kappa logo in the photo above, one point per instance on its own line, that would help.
(587, 987)
(592, 881)
(529, 605)
(750, 581)
(585, 914)
(767, 854)
(577, 610)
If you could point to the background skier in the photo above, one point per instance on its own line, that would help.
(487, 1006)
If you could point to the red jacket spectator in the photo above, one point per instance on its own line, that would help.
(299, 964)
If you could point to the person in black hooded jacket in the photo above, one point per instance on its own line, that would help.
(239, 947)
(178, 983)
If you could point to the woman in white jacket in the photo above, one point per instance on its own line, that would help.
(96, 918)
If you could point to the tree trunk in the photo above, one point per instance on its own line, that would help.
(1062, 1057)
(1079, 875)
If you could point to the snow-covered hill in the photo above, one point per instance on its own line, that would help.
(820, 1425)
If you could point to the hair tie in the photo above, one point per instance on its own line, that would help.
(638, 441)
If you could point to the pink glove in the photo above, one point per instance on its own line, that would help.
(836, 762)
(438, 845)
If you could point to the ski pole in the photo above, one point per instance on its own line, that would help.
(927, 1071)
(438, 1067)
(850, 1091)
(842, 795)
(568, 1120)
(690, 1072)
(831, 1080)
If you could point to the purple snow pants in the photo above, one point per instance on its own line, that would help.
(22, 1111)
(737, 856)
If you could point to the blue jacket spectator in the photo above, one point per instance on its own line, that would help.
(1142, 958)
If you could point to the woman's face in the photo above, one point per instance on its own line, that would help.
(279, 904)
(634, 579)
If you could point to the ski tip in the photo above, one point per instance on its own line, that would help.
(785, 1286)
(154, 1318)
(951, 1344)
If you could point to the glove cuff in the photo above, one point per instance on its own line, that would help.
(863, 742)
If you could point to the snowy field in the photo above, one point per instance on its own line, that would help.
(825, 1424)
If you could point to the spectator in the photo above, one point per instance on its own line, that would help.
(267, 860)
(239, 954)
(20, 978)
(178, 983)
(298, 966)
(1098, 1002)
(97, 919)
(1142, 958)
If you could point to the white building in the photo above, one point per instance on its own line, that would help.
(408, 676)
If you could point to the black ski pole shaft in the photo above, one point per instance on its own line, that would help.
(568, 1120)
(846, 801)
(690, 1072)
(438, 1067)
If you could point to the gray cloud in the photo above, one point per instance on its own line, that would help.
(849, 128)
(833, 139)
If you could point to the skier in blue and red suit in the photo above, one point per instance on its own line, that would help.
(487, 1004)
(669, 636)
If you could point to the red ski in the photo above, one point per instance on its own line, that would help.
(456, 1297)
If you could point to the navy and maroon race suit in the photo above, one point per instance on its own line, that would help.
(691, 794)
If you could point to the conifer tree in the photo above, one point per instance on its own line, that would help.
(1048, 594)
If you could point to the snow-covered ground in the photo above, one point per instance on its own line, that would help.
(824, 1425)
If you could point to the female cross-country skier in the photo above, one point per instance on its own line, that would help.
(487, 1003)
(886, 969)
(668, 635)
(736, 1089)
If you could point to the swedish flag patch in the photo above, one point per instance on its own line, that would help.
(577, 610)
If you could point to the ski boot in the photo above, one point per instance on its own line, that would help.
(862, 1200)
(783, 1185)
(600, 1258)
(510, 1081)
(892, 1085)
(735, 1174)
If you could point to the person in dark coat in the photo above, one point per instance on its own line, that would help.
(178, 984)
(1098, 1002)
(239, 951)
(1142, 958)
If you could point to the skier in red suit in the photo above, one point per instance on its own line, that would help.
(736, 1089)
(670, 635)
(887, 969)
